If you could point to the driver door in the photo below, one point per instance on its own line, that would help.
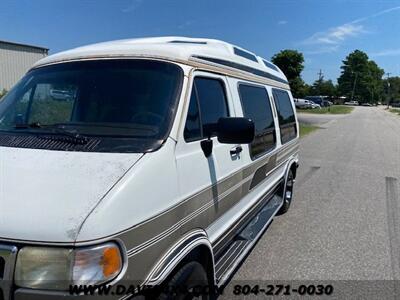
(211, 185)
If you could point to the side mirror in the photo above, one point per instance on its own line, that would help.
(235, 130)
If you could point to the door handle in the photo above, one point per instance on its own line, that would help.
(236, 150)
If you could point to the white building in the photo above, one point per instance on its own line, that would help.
(15, 60)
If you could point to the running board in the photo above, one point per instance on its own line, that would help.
(245, 239)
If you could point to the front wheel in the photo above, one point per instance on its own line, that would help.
(287, 193)
(188, 282)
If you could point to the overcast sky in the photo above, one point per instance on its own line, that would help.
(324, 30)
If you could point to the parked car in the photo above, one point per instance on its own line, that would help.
(302, 103)
(175, 186)
(366, 104)
(305, 104)
(319, 100)
(353, 103)
(61, 95)
(314, 105)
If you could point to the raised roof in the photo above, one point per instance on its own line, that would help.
(175, 48)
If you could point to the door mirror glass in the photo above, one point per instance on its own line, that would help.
(235, 130)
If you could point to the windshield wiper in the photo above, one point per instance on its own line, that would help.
(73, 137)
(30, 125)
(107, 125)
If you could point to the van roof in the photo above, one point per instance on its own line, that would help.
(181, 49)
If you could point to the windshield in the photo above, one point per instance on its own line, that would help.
(125, 104)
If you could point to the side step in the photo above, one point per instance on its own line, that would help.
(245, 239)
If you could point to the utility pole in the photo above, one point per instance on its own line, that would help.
(319, 81)
(320, 75)
(388, 82)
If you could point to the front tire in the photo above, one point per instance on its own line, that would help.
(188, 282)
(287, 193)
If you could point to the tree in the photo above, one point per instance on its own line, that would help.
(298, 87)
(374, 82)
(304, 90)
(323, 87)
(2, 93)
(291, 62)
(361, 78)
(392, 91)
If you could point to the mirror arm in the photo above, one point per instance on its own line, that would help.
(207, 146)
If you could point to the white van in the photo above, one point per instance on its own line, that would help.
(165, 166)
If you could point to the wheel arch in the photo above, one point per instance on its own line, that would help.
(291, 166)
(193, 246)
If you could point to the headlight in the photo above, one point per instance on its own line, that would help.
(57, 268)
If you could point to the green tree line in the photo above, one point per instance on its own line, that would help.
(361, 79)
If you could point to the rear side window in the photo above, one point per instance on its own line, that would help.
(287, 120)
(256, 106)
(207, 104)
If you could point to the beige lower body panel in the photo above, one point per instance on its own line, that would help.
(149, 242)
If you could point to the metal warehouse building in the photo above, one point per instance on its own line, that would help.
(15, 60)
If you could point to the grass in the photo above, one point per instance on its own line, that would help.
(306, 129)
(395, 111)
(333, 110)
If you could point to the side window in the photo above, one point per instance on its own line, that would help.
(256, 106)
(207, 104)
(212, 101)
(193, 130)
(287, 120)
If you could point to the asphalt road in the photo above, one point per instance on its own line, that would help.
(344, 222)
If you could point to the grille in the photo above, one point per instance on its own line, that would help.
(7, 263)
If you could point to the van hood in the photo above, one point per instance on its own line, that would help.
(45, 196)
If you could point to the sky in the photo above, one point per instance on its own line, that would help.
(325, 31)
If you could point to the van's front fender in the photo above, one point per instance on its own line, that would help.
(178, 252)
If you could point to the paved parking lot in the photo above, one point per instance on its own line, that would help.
(344, 223)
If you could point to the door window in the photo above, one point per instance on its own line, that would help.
(256, 106)
(207, 104)
(193, 126)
